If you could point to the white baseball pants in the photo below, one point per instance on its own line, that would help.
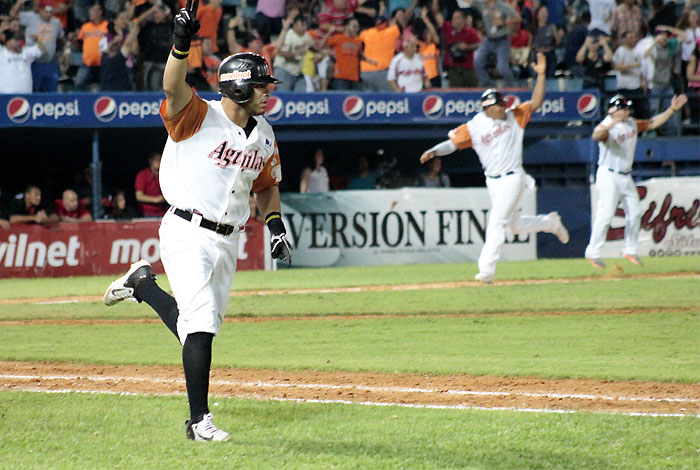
(505, 193)
(611, 187)
(200, 265)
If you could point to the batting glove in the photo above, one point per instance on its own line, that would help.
(186, 26)
(280, 247)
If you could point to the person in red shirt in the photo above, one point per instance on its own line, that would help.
(69, 209)
(461, 40)
(147, 188)
(334, 14)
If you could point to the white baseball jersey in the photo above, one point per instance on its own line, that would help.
(408, 73)
(497, 142)
(617, 151)
(210, 166)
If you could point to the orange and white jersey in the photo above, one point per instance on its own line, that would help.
(210, 166)
(617, 150)
(497, 142)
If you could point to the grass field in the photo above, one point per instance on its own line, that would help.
(546, 323)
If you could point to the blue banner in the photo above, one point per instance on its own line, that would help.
(90, 110)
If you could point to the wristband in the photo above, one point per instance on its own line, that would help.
(179, 54)
(274, 223)
(272, 215)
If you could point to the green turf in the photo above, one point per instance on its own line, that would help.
(78, 431)
(661, 347)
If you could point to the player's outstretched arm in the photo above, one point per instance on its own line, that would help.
(538, 92)
(445, 147)
(177, 92)
(660, 119)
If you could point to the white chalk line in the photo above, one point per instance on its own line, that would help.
(372, 403)
(368, 388)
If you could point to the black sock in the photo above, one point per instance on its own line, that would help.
(163, 303)
(196, 360)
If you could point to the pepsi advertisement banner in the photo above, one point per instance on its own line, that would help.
(88, 110)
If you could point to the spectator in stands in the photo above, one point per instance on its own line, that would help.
(116, 71)
(520, 45)
(347, 50)
(369, 12)
(627, 17)
(460, 42)
(433, 177)
(627, 63)
(291, 46)
(69, 209)
(61, 8)
(316, 55)
(119, 209)
(15, 64)
(334, 14)
(254, 43)
(664, 54)
(269, 18)
(147, 189)
(209, 16)
(498, 18)
(687, 31)
(408, 6)
(365, 178)
(601, 16)
(379, 45)
(546, 37)
(428, 48)
(407, 72)
(155, 41)
(91, 34)
(210, 64)
(692, 72)
(26, 208)
(573, 43)
(664, 13)
(596, 58)
(314, 178)
(195, 65)
(43, 28)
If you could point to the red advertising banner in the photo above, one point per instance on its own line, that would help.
(97, 248)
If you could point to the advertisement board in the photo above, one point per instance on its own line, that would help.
(100, 248)
(670, 223)
(402, 226)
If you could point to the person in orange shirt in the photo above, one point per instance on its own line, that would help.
(209, 16)
(347, 50)
(428, 48)
(379, 45)
(91, 33)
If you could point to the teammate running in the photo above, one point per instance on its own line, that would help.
(617, 139)
(216, 153)
(496, 134)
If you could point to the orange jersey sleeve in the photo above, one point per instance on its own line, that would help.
(271, 175)
(642, 125)
(523, 114)
(461, 137)
(187, 122)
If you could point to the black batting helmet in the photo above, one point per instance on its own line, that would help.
(618, 102)
(491, 97)
(239, 71)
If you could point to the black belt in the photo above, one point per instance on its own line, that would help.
(221, 229)
(619, 172)
(504, 174)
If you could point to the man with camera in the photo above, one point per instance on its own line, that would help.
(460, 42)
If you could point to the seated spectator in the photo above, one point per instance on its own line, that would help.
(26, 208)
(314, 178)
(155, 42)
(291, 47)
(347, 50)
(147, 189)
(69, 209)
(433, 177)
(365, 178)
(379, 43)
(16, 64)
(595, 57)
(90, 35)
(460, 42)
(334, 15)
(546, 37)
(119, 209)
(407, 72)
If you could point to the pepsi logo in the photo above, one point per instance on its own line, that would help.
(274, 108)
(18, 110)
(511, 101)
(353, 107)
(433, 107)
(105, 108)
(587, 105)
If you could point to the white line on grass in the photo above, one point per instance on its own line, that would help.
(373, 403)
(259, 384)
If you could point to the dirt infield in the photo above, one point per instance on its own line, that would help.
(456, 391)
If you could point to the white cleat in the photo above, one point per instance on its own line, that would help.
(123, 288)
(205, 430)
(561, 233)
(485, 278)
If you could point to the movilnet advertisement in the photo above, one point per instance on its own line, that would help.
(400, 226)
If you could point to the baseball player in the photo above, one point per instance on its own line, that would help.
(216, 153)
(617, 138)
(496, 134)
